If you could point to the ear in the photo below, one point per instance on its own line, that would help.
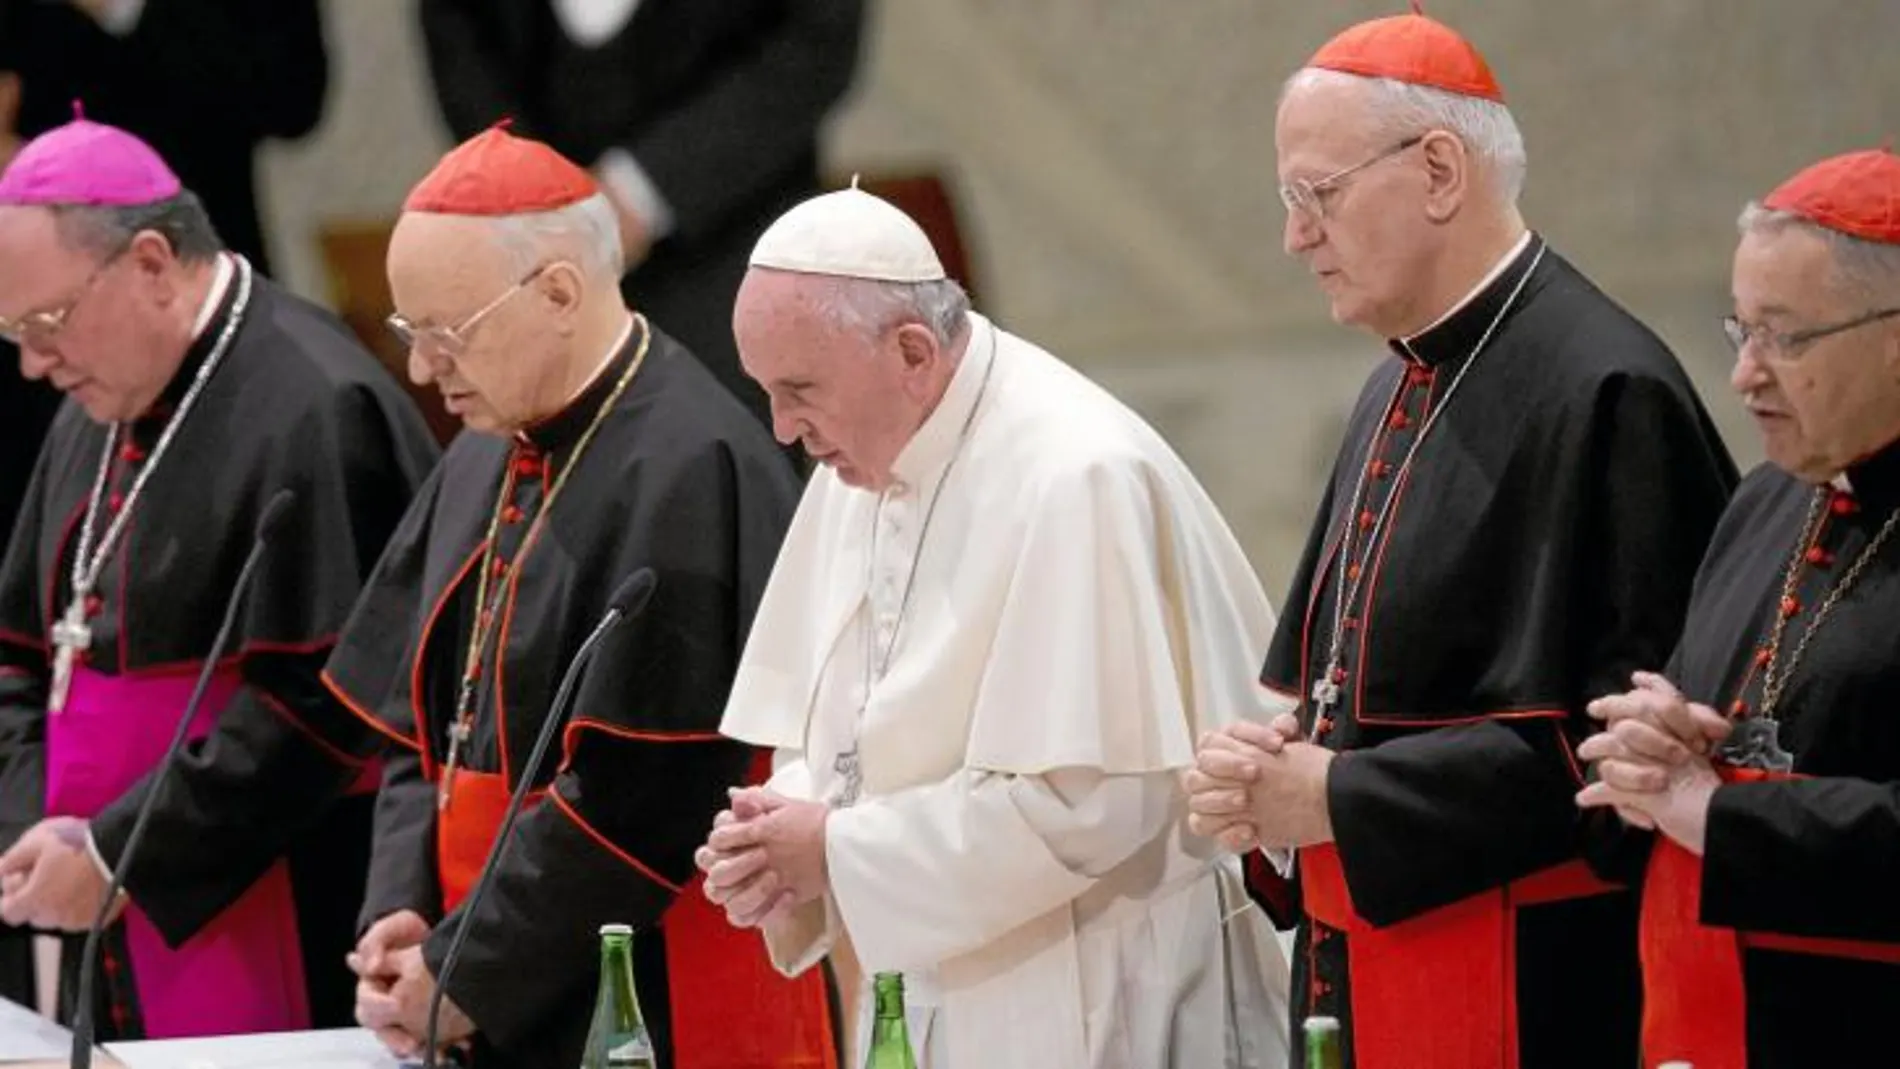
(917, 347)
(564, 287)
(154, 263)
(1447, 175)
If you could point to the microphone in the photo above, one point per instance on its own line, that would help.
(83, 1026)
(629, 599)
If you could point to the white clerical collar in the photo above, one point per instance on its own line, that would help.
(614, 350)
(524, 434)
(1842, 483)
(1483, 284)
(220, 283)
(931, 446)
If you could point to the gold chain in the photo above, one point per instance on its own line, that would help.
(483, 627)
(1775, 677)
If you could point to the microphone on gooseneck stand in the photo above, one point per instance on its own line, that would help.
(83, 1025)
(629, 600)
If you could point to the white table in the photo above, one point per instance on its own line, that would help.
(341, 1048)
(29, 1040)
(25, 1036)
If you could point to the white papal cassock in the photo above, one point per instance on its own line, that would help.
(1019, 850)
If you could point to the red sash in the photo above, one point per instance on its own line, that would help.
(1695, 1007)
(731, 1009)
(1438, 991)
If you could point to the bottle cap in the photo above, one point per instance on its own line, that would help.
(1322, 1024)
(616, 929)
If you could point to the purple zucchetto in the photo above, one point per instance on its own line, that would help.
(85, 163)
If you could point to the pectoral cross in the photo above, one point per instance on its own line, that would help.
(848, 766)
(70, 636)
(458, 737)
(1325, 693)
(1755, 742)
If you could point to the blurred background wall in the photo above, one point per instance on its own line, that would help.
(1112, 166)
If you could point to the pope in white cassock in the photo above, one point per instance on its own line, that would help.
(1003, 616)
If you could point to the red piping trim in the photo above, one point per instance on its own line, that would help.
(607, 845)
(302, 728)
(417, 712)
(367, 717)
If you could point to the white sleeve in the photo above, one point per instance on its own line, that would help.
(120, 17)
(927, 874)
(799, 940)
(632, 184)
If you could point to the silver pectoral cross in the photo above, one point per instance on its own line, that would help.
(70, 637)
(459, 733)
(846, 765)
(1755, 743)
(1325, 690)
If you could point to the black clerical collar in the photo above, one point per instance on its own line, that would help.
(220, 301)
(565, 427)
(1454, 337)
(1875, 481)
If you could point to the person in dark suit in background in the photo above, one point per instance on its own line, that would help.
(205, 82)
(699, 118)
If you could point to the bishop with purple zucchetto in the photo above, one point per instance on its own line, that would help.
(197, 392)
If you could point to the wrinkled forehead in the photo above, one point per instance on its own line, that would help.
(36, 264)
(438, 264)
(785, 322)
(1784, 269)
(1324, 123)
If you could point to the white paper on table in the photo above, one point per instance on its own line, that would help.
(336, 1048)
(26, 1036)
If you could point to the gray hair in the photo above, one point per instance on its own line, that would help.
(106, 231)
(1401, 109)
(871, 307)
(1862, 268)
(587, 231)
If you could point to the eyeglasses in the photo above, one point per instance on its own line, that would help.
(37, 330)
(1307, 197)
(453, 340)
(1788, 346)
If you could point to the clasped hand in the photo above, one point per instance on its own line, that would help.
(765, 856)
(1255, 785)
(1652, 760)
(394, 987)
(49, 880)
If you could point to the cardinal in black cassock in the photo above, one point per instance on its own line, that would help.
(597, 447)
(198, 393)
(1509, 530)
(1769, 934)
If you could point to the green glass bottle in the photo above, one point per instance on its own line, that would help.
(1322, 1044)
(618, 1036)
(890, 1038)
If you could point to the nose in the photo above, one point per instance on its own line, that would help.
(422, 370)
(1749, 375)
(36, 363)
(784, 427)
(1302, 232)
